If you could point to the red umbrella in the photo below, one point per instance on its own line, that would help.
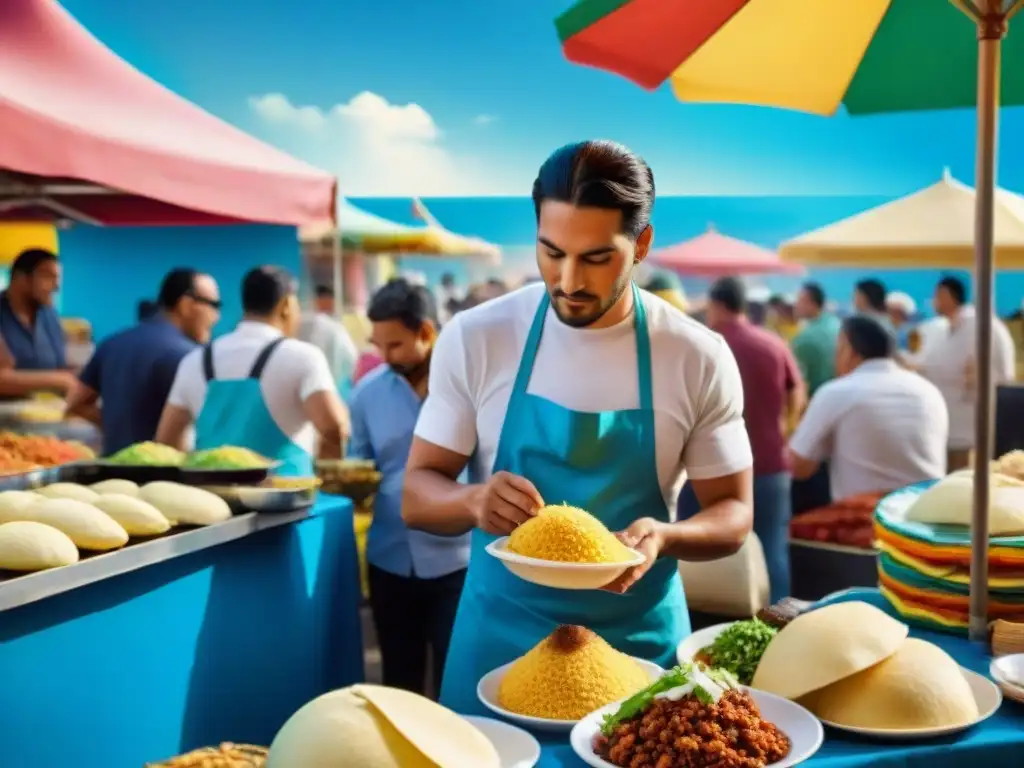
(713, 254)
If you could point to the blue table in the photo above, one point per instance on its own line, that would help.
(996, 743)
(222, 643)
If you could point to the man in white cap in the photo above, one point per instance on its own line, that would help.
(901, 309)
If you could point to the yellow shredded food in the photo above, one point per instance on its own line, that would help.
(569, 674)
(568, 535)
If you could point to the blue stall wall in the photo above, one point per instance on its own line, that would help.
(107, 271)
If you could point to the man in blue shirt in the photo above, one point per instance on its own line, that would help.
(131, 373)
(32, 355)
(415, 577)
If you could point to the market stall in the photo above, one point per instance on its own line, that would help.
(141, 619)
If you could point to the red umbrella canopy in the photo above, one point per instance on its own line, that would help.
(713, 254)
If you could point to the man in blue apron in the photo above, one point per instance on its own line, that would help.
(257, 387)
(32, 356)
(585, 390)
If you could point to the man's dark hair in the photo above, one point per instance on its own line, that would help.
(956, 288)
(869, 338)
(729, 292)
(599, 174)
(775, 301)
(146, 309)
(324, 292)
(815, 293)
(874, 291)
(398, 299)
(176, 285)
(264, 287)
(28, 261)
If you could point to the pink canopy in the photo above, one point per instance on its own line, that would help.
(84, 135)
(713, 254)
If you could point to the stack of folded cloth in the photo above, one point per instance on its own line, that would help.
(923, 538)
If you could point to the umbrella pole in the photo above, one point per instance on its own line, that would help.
(991, 29)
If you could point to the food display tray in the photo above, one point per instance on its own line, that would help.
(87, 472)
(265, 500)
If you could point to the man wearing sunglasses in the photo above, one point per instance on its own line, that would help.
(125, 385)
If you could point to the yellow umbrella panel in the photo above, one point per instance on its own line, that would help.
(930, 228)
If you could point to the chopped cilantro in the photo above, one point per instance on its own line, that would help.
(739, 649)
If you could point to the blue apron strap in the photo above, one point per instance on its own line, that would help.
(263, 357)
(530, 350)
(643, 351)
(208, 363)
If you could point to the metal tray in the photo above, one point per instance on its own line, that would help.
(203, 477)
(265, 500)
(94, 472)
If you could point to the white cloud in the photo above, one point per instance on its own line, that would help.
(376, 147)
(484, 119)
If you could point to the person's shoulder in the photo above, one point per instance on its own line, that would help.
(370, 384)
(677, 332)
(495, 314)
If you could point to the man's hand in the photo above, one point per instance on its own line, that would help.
(646, 536)
(506, 502)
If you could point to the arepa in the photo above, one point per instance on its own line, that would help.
(949, 502)
(374, 727)
(825, 645)
(28, 546)
(919, 686)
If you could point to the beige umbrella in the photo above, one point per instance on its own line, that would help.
(931, 228)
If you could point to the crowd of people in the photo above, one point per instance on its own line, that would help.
(680, 434)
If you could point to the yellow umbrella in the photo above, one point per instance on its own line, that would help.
(930, 228)
(18, 237)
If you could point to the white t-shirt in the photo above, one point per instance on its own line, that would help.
(697, 392)
(327, 334)
(295, 371)
(946, 365)
(880, 428)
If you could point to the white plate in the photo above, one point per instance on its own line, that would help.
(516, 748)
(487, 692)
(689, 646)
(1008, 672)
(986, 694)
(551, 573)
(803, 729)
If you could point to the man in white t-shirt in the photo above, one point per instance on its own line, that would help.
(325, 331)
(259, 388)
(879, 426)
(586, 391)
(950, 364)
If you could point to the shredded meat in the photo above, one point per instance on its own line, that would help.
(688, 734)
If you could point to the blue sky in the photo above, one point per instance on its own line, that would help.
(467, 97)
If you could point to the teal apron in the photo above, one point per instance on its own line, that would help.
(604, 463)
(235, 413)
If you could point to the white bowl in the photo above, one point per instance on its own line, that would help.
(487, 692)
(516, 748)
(551, 573)
(690, 646)
(1008, 672)
(986, 695)
(801, 727)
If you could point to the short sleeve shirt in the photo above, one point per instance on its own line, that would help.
(132, 372)
(697, 392)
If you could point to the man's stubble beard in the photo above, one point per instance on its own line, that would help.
(588, 320)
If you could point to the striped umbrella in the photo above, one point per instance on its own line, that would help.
(814, 55)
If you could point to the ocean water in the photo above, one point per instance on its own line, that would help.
(767, 221)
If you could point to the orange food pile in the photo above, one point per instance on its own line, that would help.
(19, 453)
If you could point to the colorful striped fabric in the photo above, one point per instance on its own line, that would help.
(808, 55)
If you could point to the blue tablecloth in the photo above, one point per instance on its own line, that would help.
(996, 743)
(223, 644)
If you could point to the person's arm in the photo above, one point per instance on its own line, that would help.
(796, 391)
(1004, 355)
(433, 500)
(718, 461)
(183, 402)
(83, 399)
(359, 444)
(811, 444)
(15, 383)
(322, 405)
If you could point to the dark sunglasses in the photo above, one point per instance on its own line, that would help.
(214, 303)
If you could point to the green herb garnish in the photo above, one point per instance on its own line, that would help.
(677, 677)
(739, 648)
